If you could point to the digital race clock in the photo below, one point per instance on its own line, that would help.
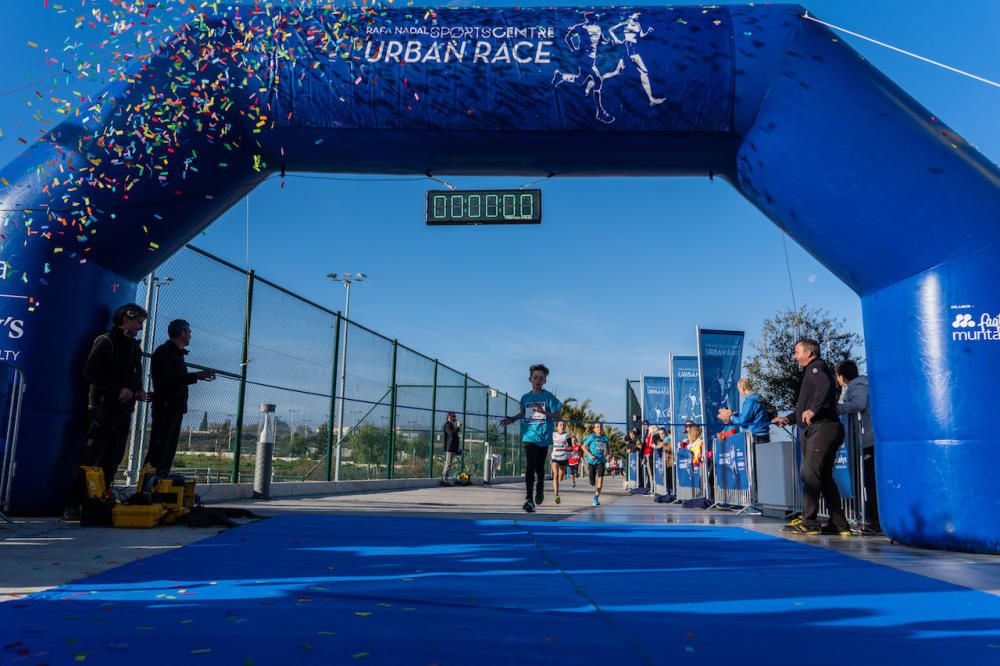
(484, 207)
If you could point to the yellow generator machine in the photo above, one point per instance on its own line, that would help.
(174, 492)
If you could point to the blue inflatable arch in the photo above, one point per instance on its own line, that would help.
(868, 181)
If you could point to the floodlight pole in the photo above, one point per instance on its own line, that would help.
(347, 279)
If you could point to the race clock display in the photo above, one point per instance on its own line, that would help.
(484, 207)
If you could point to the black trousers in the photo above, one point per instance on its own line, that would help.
(107, 440)
(534, 468)
(163, 436)
(819, 450)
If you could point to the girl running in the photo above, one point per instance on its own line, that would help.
(595, 450)
(560, 456)
(575, 452)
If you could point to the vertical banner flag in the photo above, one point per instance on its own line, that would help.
(686, 404)
(685, 392)
(656, 400)
(720, 360)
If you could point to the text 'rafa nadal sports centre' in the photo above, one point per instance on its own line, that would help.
(872, 184)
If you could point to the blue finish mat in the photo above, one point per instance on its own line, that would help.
(377, 590)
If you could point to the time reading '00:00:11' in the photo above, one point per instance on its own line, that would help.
(484, 207)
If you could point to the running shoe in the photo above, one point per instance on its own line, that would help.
(574, 483)
(833, 530)
(558, 500)
(529, 506)
(597, 502)
(801, 527)
(539, 497)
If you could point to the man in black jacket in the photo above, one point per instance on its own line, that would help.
(170, 395)
(114, 373)
(452, 445)
(822, 434)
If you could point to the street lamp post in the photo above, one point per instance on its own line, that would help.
(291, 433)
(347, 279)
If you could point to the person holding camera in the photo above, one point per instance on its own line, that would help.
(452, 445)
(170, 395)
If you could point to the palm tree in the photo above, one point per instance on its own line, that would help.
(579, 416)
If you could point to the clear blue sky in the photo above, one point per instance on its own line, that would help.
(629, 261)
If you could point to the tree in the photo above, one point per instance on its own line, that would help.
(774, 372)
(368, 444)
(579, 416)
(616, 443)
(204, 423)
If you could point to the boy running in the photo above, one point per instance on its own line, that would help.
(560, 456)
(595, 450)
(538, 409)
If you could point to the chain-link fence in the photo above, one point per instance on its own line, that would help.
(351, 403)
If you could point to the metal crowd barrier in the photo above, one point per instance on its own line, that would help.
(690, 488)
(734, 482)
(13, 387)
(632, 470)
(733, 472)
(851, 456)
(850, 460)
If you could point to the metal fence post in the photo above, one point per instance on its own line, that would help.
(141, 413)
(465, 406)
(486, 435)
(434, 404)
(391, 452)
(245, 359)
(333, 401)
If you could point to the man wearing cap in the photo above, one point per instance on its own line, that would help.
(114, 373)
(170, 394)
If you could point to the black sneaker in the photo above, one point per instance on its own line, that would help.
(528, 506)
(72, 514)
(832, 530)
(801, 528)
(539, 497)
(444, 483)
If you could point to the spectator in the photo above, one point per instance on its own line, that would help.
(854, 400)
(694, 442)
(452, 445)
(667, 451)
(647, 454)
(114, 373)
(753, 414)
(754, 417)
(816, 414)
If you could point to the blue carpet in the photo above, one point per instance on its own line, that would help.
(377, 590)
